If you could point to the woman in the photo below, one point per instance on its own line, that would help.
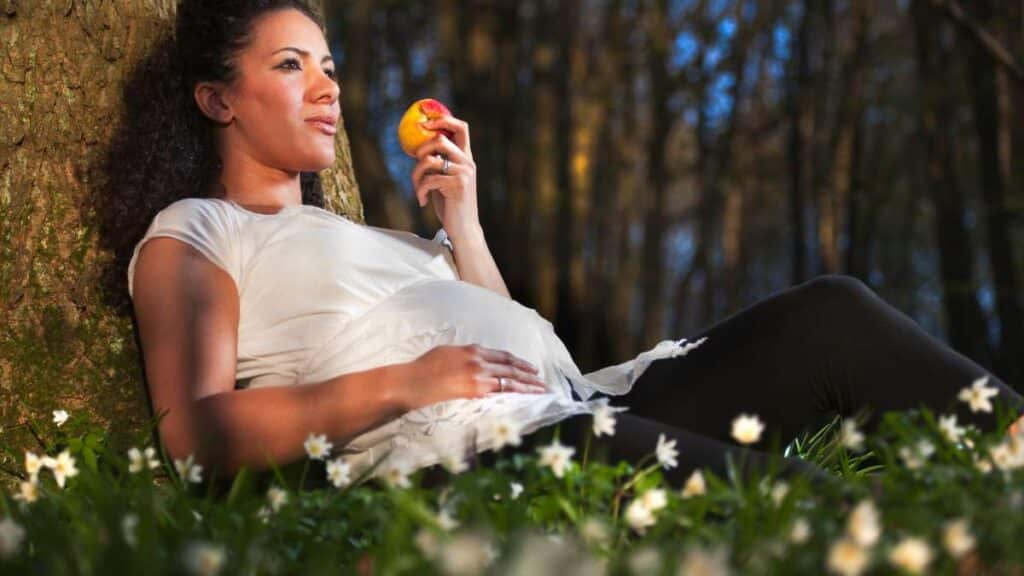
(264, 318)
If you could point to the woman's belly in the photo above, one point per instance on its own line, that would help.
(417, 318)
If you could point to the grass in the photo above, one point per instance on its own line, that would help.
(939, 511)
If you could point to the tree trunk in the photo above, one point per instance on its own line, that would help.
(654, 220)
(798, 73)
(965, 324)
(568, 248)
(385, 206)
(63, 346)
(988, 121)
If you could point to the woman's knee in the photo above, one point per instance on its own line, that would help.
(829, 291)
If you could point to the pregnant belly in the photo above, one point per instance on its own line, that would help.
(417, 318)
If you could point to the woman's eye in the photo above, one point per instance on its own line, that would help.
(290, 61)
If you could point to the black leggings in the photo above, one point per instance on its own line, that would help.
(796, 359)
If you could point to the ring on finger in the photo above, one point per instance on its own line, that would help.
(501, 384)
(444, 167)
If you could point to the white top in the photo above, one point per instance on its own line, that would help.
(321, 295)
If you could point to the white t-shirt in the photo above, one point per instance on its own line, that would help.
(321, 296)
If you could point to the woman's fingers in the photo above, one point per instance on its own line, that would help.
(428, 165)
(441, 145)
(459, 128)
(506, 357)
(530, 386)
(512, 374)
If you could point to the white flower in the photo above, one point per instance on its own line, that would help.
(446, 521)
(703, 562)
(263, 513)
(747, 428)
(952, 432)
(850, 436)
(846, 557)
(1006, 456)
(779, 491)
(639, 516)
(467, 553)
(63, 466)
(666, 451)
(338, 472)
(556, 456)
(59, 417)
(11, 536)
(863, 525)
(982, 464)
(911, 554)
(695, 485)
(129, 523)
(604, 420)
(506, 433)
(277, 497)
(914, 458)
(655, 499)
(188, 470)
(957, 537)
(33, 464)
(517, 489)
(139, 459)
(800, 532)
(640, 512)
(453, 462)
(396, 474)
(203, 558)
(977, 396)
(28, 492)
(317, 446)
(593, 530)
(427, 542)
(645, 559)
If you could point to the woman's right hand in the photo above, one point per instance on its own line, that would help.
(469, 371)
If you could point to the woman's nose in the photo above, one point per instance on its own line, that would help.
(325, 86)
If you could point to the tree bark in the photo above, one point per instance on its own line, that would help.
(63, 346)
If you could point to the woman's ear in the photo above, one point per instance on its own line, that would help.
(209, 98)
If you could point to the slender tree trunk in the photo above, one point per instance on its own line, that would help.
(798, 75)
(988, 121)
(965, 323)
(568, 250)
(544, 162)
(654, 221)
(385, 205)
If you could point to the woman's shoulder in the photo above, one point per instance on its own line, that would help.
(200, 214)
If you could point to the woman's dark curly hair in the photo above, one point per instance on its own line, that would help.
(164, 150)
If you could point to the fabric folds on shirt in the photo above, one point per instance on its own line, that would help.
(321, 296)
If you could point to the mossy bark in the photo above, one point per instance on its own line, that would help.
(62, 68)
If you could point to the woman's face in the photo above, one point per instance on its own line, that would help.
(286, 77)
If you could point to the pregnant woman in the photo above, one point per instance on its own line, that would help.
(264, 317)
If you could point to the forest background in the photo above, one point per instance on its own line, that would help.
(646, 168)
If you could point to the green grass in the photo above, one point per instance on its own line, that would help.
(577, 523)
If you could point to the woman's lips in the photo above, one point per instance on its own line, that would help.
(324, 127)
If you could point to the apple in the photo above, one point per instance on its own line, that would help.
(411, 135)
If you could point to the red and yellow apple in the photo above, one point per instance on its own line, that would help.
(411, 134)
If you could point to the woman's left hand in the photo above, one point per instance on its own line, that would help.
(455, 203)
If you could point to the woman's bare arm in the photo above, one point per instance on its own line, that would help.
(476, 264)
(187, 312)
(248, 427)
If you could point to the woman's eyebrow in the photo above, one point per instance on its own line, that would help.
(301, 52)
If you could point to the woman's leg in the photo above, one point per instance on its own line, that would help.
(802, 355)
